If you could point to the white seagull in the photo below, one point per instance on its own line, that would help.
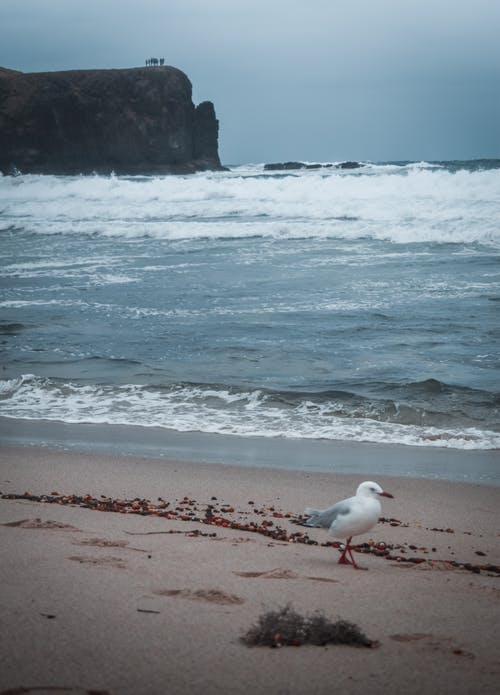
(350, 517)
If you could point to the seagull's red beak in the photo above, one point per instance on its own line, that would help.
(386, 494)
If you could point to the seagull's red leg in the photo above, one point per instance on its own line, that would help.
(343, 559)
(348, 548)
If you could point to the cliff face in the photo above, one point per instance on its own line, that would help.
(140, 120)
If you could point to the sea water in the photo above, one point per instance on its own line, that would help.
(355, 305)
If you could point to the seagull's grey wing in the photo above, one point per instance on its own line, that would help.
(324, 518)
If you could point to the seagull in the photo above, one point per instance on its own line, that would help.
(350, 517)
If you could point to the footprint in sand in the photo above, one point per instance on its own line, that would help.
(277, 573)
(207, 595)
(106, 561)
(101, 543)
(105, 543)
(39, 524)
(281, 573)
(435, 565)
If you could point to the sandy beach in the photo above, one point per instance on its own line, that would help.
(122, 604)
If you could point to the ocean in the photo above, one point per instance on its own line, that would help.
(353, 305)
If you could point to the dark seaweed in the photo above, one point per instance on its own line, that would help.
(286, 627)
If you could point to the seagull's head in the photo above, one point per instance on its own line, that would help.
(371, 489)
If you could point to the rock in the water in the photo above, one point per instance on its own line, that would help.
(349, 165)
(284, 166)
(131, 121)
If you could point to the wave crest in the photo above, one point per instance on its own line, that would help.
(414, 203)
(333, 415)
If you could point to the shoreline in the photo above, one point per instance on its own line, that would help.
(334, 456)
(128, 604)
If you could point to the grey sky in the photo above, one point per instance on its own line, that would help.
(312, 79)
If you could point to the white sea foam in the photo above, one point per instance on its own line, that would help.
(22, 303)
(204, 409)
(425, 204)
(309, 314)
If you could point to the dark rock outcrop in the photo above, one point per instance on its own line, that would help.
(349, 165)
(284, 166)
(290, 166)
(138, 120)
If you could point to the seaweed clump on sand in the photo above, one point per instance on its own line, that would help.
(286, 627)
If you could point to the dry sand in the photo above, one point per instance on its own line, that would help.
(95, 602)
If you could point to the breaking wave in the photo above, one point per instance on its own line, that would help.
(421, 414)
(407, 203)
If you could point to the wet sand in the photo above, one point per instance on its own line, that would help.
(437, 462)
(130, 604)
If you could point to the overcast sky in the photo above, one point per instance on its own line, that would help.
(317, 80)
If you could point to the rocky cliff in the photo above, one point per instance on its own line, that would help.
(140, 120)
